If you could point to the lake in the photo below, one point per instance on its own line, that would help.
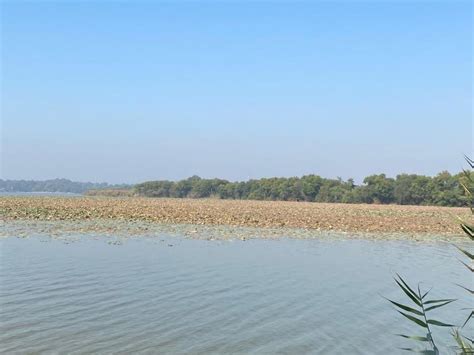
(40, 193)
(174, 295)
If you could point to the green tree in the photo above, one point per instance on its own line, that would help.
(446, 190)
(412, 190)
(380, 189)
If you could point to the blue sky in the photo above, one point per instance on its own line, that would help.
(126, 92)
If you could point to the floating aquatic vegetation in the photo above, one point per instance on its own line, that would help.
(143, 213)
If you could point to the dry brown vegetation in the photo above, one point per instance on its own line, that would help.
(315, 216)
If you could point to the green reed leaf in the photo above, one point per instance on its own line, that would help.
(438, 305)
(426, 293)
(406, 308)
(414, 319)
(467, 289)
(468, 319)
(408, 291)
(469, 230)
(465, 252)
(469, 267)
(438, 323)
(469, 161)
(438, 301)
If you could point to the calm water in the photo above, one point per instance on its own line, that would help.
(209, 297)
(54, 194)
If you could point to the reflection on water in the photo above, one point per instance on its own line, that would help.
(171, 295)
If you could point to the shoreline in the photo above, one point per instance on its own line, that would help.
(270, 217)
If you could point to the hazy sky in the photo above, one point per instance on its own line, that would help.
(126, 92)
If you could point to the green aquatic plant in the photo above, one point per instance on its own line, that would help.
(467, 344)
(418, 314)
(464, 344)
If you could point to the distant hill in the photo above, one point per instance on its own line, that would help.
(54, 185)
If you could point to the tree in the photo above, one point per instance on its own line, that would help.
(446, 190)
(412, 189)
(380, 189)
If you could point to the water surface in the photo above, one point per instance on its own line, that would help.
(174, 295)
(39, 193)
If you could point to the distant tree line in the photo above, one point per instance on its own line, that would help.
(443, 189)
(54, 185)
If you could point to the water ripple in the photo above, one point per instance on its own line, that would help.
(259, 297)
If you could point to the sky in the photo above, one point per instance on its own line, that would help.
(124, 92)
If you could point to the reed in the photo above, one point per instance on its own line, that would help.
(419, 313)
